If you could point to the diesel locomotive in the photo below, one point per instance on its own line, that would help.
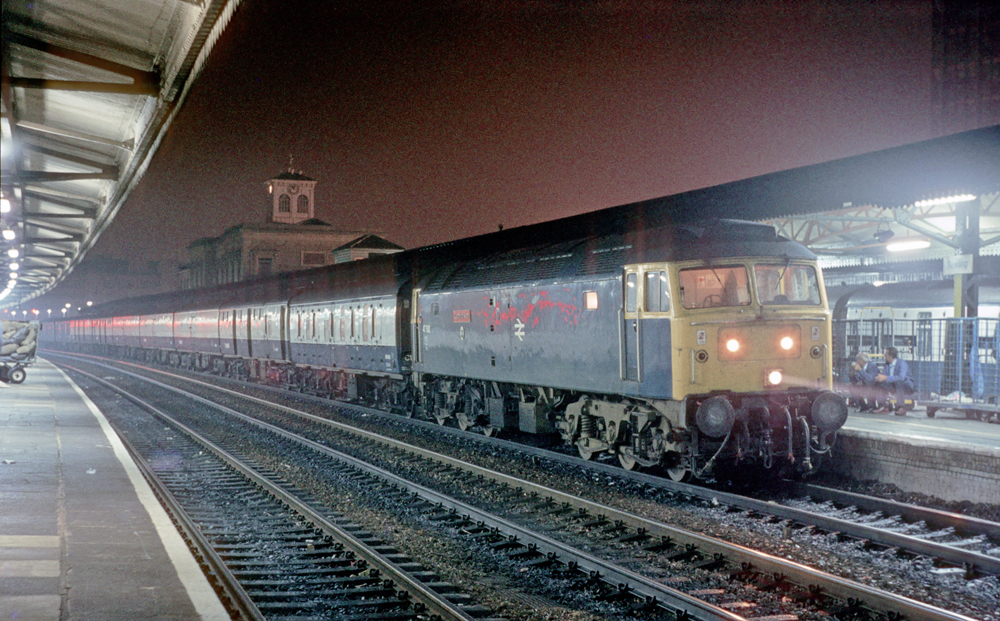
(695, 348)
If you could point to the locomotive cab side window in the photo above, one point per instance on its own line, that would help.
(631, 285)
(656, 293)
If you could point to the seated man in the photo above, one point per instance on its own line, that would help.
(863, 373)
(896, 379)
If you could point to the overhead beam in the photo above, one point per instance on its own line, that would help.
(118, 88)
(38, 176)
(143, 82)
(90, 214)
(128, 145)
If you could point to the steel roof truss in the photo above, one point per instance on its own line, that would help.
(143, 82)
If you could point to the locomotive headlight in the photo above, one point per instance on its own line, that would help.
(772, 377)
(787, 343)
(733, 345)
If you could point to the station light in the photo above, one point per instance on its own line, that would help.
(14, 266)
(9, 234)
(4, 205)
(902, 246)
(13, 253)
(882, 236)
(945, 200)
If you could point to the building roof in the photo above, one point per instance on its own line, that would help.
(291, 174)
(373, 242)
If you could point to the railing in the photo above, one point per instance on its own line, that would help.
(953, 361)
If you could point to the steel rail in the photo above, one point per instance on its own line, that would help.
(968, 524)
(239, 602)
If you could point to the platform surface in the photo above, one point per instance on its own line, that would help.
(947, 427)
(81, 534)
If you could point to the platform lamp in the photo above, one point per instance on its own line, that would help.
(883, 235)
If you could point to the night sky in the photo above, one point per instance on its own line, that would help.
(437, 120)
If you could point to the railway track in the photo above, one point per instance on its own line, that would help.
(648, 537)
(279, 552)
(601, 579)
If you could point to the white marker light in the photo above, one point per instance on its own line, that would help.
(774, 377)
(787, 342)
(733, 345)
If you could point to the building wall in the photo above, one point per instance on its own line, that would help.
(248, 251)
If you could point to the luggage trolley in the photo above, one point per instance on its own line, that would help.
(17, 353)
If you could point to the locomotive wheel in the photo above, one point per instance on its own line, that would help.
(931, 412)
(16, 376)
(3, 374)
(679, 474)
(586, 453)
(627, 461)
(489, 431)
(463, 421)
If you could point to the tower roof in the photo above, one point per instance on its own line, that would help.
(291, 174)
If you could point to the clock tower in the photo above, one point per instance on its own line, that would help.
(292, 197)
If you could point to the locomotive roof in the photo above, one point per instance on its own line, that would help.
(709, 241)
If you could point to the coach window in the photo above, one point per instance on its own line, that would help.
(631, 284)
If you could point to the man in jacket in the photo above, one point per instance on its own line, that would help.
(896, 379)
(863, 373)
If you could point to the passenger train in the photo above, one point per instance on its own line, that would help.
(698, 348)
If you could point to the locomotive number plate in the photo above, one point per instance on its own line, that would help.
(702, 337)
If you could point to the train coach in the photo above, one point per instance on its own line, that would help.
(696, 348)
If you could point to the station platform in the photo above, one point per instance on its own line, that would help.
(81, 534)
(949, 456)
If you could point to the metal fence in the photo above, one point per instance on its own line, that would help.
(953, 361)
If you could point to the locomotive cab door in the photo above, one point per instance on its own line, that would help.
(629, 350)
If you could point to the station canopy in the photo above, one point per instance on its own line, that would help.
(89, 89)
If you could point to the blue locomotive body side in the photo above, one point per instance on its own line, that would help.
(539, 333)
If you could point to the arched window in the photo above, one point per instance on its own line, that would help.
(303, 204)
(285, 204)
